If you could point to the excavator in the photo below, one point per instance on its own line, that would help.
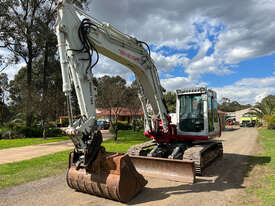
(179, 149)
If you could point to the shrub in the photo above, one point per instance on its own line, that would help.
(259, 124)
(54, 132)
(271, 122)
(121, 126)
(30, 131)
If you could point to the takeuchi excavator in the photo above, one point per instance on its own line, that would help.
(179, 149)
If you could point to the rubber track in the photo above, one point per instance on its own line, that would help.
(136, 150)
(203, 154)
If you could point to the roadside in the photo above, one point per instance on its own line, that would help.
(20, 153)
(221, 185)
(261, 180)
(12, 143)
(53, 164)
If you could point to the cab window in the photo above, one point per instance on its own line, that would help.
(191, 113)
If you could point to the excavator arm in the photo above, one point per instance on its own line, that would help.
(79, 36)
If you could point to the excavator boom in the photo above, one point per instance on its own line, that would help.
(95, 171)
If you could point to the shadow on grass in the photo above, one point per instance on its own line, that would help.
(225, 174)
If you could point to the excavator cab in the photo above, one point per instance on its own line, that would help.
(197, 113)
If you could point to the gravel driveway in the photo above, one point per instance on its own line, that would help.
(222, 183)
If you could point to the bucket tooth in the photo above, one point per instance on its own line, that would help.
(111, 175)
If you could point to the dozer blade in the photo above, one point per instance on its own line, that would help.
(111, 175)
(162, 168)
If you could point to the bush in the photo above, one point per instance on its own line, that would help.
(259, 124)
(15, 130)
(121, 126)
(30, 132)
(54, 132)
(271, 122)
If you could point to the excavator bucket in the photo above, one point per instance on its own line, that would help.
(163, 168)
(111, 175)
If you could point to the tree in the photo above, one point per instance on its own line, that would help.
(53, 104)
(133, 103)
(18, 34)
(4, 111)
(265, 110)
(112, 95)
(26, 30)
(231, 106)
(170, 100)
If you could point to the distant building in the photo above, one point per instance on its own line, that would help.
(125, 114)
(238, 114)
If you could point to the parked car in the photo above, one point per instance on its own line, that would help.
(103, 125)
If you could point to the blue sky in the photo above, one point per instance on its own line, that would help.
(228, 46)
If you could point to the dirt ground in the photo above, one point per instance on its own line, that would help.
(222, 184)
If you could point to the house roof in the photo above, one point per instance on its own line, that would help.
(121, 111)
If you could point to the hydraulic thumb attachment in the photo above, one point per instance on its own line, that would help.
(111, 175)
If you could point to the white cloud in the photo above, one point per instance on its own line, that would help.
(244, 94)
(174, 83)
(171, 84)
(167, 63)
(220, 34)
(257, 82)
(109, 67)
(247, 90)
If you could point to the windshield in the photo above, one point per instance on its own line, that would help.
(191, 113)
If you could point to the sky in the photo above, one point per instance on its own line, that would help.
(228, 46)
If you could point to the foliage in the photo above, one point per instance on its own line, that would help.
(13, 129)
(120, 125)
(133, 102)
(4, 110)
(170, 100)
(27, 31)
(112, 95)
(270, 121)
(231, 106)
(265, 110)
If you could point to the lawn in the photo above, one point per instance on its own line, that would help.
(126, 139)
(54, 164)
(264, 187)
(10, 143)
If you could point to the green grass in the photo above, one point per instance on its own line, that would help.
(10, 143)
(126, 138)
(33, 169)
(264, 188)
(54, 164)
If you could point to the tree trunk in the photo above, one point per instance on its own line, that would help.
(116, 129)
(44, 105)
(44, 129)
(29, 85)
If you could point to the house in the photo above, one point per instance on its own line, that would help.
(124, 114)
